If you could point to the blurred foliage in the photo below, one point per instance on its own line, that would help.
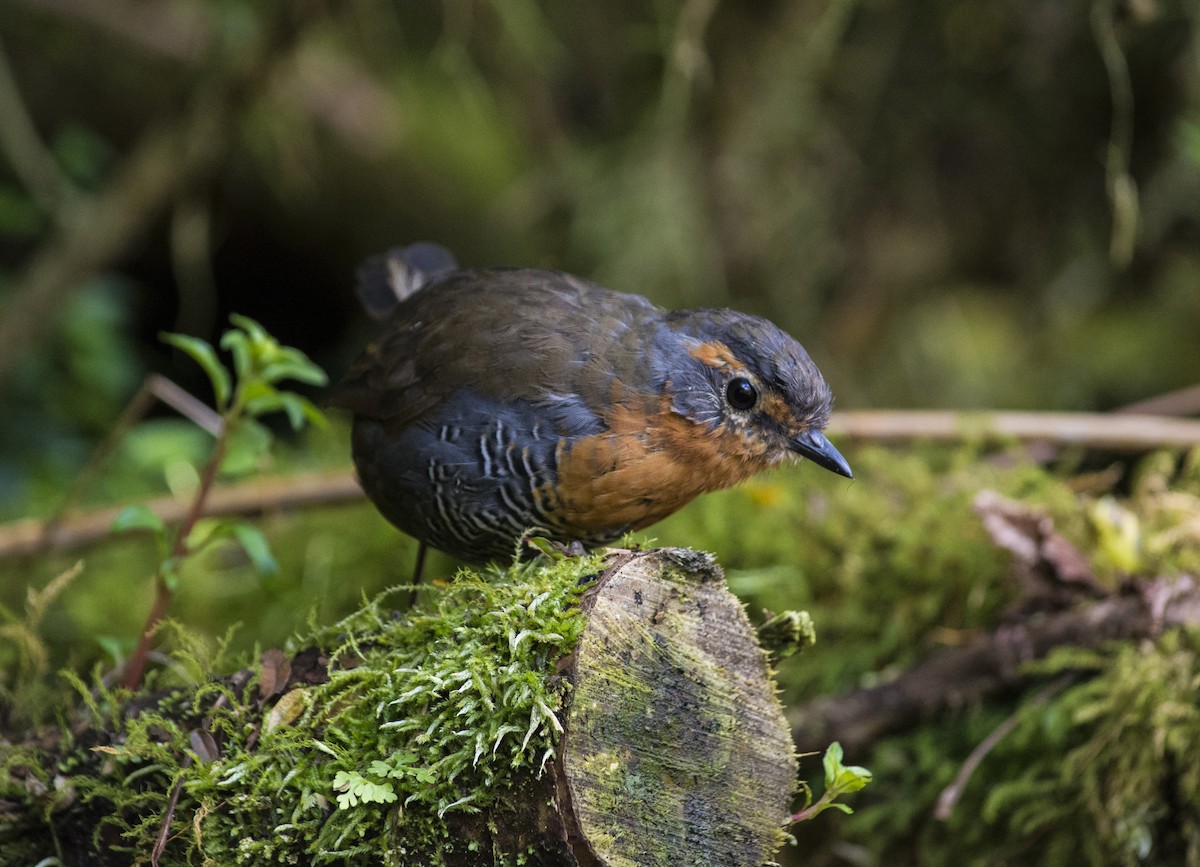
(896, 566)
(328, 560)
(889, 566)
(951, 203)
(929, 198)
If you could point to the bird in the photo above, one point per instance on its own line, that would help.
(498, 404)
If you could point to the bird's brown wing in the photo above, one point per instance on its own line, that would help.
(507, 334)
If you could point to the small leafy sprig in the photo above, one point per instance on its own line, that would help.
(840, 780)
(260, 363)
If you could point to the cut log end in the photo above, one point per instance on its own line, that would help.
(676, 750)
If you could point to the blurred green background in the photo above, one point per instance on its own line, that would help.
(952, 203)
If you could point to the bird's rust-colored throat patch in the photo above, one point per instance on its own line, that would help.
(647, 466)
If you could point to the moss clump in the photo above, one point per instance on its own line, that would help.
(886, 565)
(1105, 771)
(1118, 758)
(425, 716)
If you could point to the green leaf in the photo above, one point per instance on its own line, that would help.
(117, 649)
(248, 442)
(261, 347)
(235, 343)
(354, 789)
(204, 355)
(852, 779)
(833, 763)
(545, 547)
(290, 363)
(307, 411)
(247, 537)
(256, 546)
(842, 779)
(250, 327)
(299, 409)
(138, 517)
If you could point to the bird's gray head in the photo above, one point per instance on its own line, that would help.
(745, 375)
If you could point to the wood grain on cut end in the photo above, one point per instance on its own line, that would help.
(676, 749)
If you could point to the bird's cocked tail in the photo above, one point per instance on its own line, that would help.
(389, 278)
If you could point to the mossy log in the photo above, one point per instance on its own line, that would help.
(637, 724)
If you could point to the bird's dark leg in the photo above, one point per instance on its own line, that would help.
(418, 573)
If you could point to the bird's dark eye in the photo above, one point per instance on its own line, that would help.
(741, 394)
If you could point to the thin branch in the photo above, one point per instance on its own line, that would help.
(1118, 433)
(187, 405)
(164, 830)
(1183, 401)
(262, 496)
(27, 154)
(950, 795)
(136, 665)
(993, 663)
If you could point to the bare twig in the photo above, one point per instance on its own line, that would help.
(28, 537)
(31, 536)
(183, 402)
(950, 795)
(19, 140)
(1118, 433)
(1183, 401)
(164, 830)
(966, 675)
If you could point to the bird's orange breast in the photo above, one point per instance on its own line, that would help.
(645, 467)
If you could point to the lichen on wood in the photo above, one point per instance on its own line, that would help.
(673, 749)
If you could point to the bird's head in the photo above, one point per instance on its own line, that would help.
(750, 381)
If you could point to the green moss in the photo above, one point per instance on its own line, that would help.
(893, 567)
(423, 716)
(1103, 773)
(1127, 764)
(886, 565)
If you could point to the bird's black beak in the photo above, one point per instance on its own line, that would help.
(814, 446)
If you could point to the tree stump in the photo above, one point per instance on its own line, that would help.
(673, 748)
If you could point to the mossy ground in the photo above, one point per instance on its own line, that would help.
(893, 567)
(424, 715)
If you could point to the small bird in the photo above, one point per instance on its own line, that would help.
(511, 401)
